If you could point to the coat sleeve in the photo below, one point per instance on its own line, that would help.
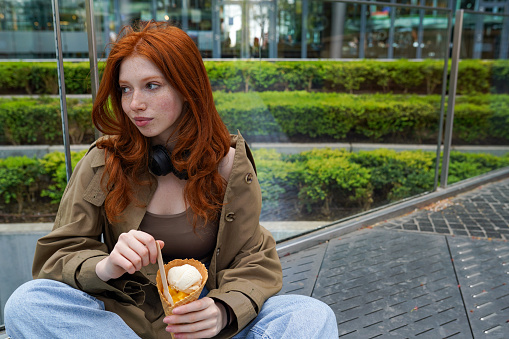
(70, 252)
(247, 264)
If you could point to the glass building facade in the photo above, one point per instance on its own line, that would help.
(244, 29)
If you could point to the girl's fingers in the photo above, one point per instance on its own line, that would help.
(143, 244)
(199, 319)
(126, 258)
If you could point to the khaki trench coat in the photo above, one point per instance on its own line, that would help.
(244, 271)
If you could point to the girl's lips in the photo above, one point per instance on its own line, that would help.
(140, 122)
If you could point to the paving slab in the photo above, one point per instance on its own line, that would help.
(384, 283)
(482, 268)
(483, 212)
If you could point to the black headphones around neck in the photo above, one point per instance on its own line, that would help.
(160, 163)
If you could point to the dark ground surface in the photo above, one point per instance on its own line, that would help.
(438, 272)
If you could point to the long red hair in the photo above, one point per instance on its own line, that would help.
(202, 135)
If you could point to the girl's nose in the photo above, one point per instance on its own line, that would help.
(138, 102)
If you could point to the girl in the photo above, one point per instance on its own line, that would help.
(166, 170)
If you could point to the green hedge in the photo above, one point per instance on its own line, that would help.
(420, 77)
(294, 115)
(322, 182)
(314, 183)
(38, 121)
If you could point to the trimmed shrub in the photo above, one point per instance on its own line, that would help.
(420, 77)
(20, 180)
(55, 167)
(289, 115)
(21, 120)
(321, 184)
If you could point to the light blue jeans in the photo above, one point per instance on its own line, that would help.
(51, 309)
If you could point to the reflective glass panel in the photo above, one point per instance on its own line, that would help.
(480, 135)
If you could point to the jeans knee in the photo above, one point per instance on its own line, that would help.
(18, 304)
(320, 309)
(33, 297)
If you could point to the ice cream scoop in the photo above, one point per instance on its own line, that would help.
(185, 278)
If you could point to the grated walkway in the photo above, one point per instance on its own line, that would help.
(438, 272)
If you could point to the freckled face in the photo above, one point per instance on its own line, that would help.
(149, 101)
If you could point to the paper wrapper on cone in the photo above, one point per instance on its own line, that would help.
(191, 297)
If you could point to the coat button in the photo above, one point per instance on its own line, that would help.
(249, 178)
(217, 252)
(230, 216)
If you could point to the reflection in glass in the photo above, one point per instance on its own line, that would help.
(481, 123)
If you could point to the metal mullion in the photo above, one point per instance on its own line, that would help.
(61, 88)
(420, 32)
(304, 32)
(92, 52)
(216, 29)
(390, 49)
(453, 79)
(442, 102)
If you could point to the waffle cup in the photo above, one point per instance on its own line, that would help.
(191, 297)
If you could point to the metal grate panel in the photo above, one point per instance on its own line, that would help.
(301, 269)
(384, 283)
(482, 267)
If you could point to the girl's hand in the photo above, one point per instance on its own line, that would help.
(202, 318)
(132, 251)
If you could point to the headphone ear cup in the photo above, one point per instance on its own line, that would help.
(160, 163)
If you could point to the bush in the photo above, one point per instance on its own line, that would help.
(278, 182)
(289, 115)
(500, 76)
(468, 165)
(346, 76)
(474, 76)
(20, 180)
(419, 77)
(15, 77)
(328, 176)
(55, 167)
(21, 120)
(397, 175)
(321, 184)
(406, 75)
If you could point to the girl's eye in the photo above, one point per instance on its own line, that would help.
(124, 90)
(152, 86)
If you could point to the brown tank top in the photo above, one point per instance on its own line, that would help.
(180, 240)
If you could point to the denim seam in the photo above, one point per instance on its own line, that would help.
(259, 332)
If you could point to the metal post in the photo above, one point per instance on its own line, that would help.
(338, 18)
(153, 9)
(304, 33)
(272, 29)
(478, 33)
(390, 42)
(185, 16)
(244, 47)
(61, 88)
(420, 32)
(216, 30)
(362, 35)
(442, 101)
(504, 40)
(456, 45)
(92, 52)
